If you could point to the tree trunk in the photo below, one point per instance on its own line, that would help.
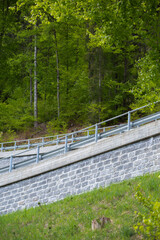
(2, 24)
(31, 97)
(67, 64)
(58, 75)
(100, 82)
(35, 84)
(125, 69)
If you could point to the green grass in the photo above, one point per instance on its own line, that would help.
(71, 218)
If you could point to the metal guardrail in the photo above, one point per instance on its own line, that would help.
(72, 141)
(34, 142)
(27, 143)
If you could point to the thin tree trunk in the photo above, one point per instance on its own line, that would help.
(58, 75)
(3, 23)
(100, 81)
(35, 84)
(125, 69)
(67, 64)
(125, 100)
(31, 95)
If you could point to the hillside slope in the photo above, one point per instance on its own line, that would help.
(71, 218)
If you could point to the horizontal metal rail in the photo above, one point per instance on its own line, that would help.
(71, 141)
(34, 142)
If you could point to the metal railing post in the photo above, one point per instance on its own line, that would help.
(37, 159)
(66, 141)
(28, 144)
(72, 138)
(96, 132)
(15, 146)
(88, 133)
(1, 147)
(57, 142)
(11, 160)
(129, 120)
(42, 141)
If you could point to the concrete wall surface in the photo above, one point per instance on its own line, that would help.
(114, 159)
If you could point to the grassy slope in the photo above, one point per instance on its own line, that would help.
(71, 218)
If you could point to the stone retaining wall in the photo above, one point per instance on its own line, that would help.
(103, 169)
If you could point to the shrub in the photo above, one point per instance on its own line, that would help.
(56, 126)
(149, 222)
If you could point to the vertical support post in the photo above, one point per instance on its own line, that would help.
(1, 147)
(96, 132)
(15, 146)
(42, 141)
(72, 138)
(28, 144)
(57, 142)
(104, 129)
(11, 160)
(66, 141)
(88, 133)
(129, 120)
(37, 159)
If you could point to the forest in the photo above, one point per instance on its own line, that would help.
(67, 63)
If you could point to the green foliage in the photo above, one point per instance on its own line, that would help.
(56, 126)
(108, 55)
(149, 221)
(15, 115)
(148, 83)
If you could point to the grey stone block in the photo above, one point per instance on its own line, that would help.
(68, 184)
(78, 171)
(39, 188)
(96, 160)
(82, 164)
(92, 167)
(108, 166)
(33, 195)
(67, 169)
(115, 160)
(85, 169)
(100, 179)
(84, 184)
(42, 183)
(64, 175)
(128, 166)
(78, 186)
(133, 159)
(100, 164)
(139, 151)
(119, 168)
(107, 163)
